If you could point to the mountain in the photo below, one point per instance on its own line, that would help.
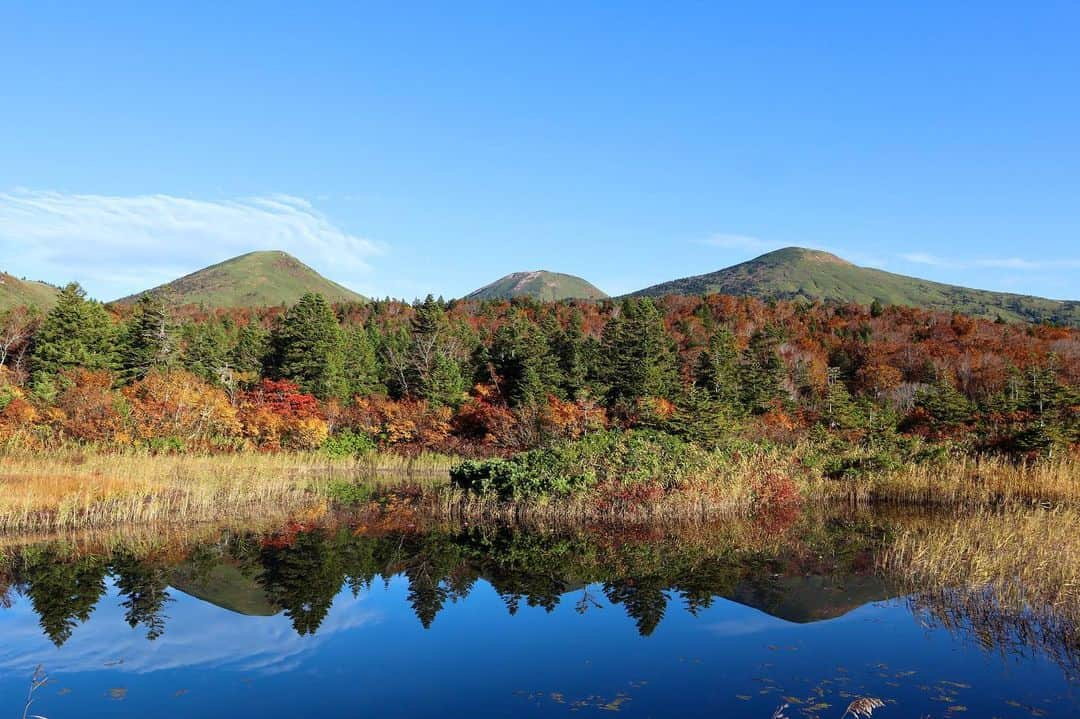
(540, 285)
(796, 272)
(14, 292)
(257, 279)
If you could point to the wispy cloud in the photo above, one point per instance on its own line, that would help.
(1008, 263)
(922, 258)
(741, 242)
(119, 244)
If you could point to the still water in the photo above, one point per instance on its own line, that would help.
(731, 621)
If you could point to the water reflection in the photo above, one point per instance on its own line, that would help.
(525, 623)
(300, 572)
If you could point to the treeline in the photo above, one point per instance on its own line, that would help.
(495, 377)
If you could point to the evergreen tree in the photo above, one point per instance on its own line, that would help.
(840, 410)
(638, 354)
(308, 348)
(944, 403)
(522, 359)
(759, 374)
(572, 353)
(205, 350)
(718, 369)
(360, 366)
(76, 333)
(149, 339)
(249, 354)
(432, 370)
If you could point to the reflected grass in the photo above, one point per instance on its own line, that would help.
(1009, 579)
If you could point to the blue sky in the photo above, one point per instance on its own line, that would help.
(407, 148)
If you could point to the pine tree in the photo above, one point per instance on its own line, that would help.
(638, 354)
(717, 369)
(76, 333)
(759, 374)
(149, 339)
(360, 367)
(307, 347)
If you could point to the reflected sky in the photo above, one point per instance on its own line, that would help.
(452, 630)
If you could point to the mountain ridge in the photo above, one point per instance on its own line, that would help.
(793, 273)
(15, 291)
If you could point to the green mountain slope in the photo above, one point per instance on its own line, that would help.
(540, 285)
(257, 279)
(795, 272)
(14, 292)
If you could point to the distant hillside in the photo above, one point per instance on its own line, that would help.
(14, 292)
(257, 279)
(540, 285)
(795, 272)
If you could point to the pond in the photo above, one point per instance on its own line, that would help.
(338, 620)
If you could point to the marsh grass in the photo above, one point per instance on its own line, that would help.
(76, 490)
(964, 481)
(1010, 579)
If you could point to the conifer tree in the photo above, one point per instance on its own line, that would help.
(307, 347)
(360, 367)
(759, 374)
(638, 354)
(76, 333)
(149, 339)
(432, 370)
(718, 369)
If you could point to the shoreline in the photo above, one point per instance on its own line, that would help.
(80, 490)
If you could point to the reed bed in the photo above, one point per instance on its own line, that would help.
(75, 490)
(1008, 579)
(1023, 557)
(963, 481)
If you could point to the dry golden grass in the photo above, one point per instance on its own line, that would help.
(967, 481)
(1024, 558)
(1008, 579)
(75, 490)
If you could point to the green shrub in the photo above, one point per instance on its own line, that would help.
(344, 492)
(636, 457)
(348, 444)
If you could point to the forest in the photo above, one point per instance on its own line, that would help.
(562, 389)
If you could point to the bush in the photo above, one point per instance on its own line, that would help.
(344, 492)
(624, 459)
(537, 473)
(347, 444)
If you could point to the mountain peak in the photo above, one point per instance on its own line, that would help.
(540, 285)
(255, 279)
(802, 254)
